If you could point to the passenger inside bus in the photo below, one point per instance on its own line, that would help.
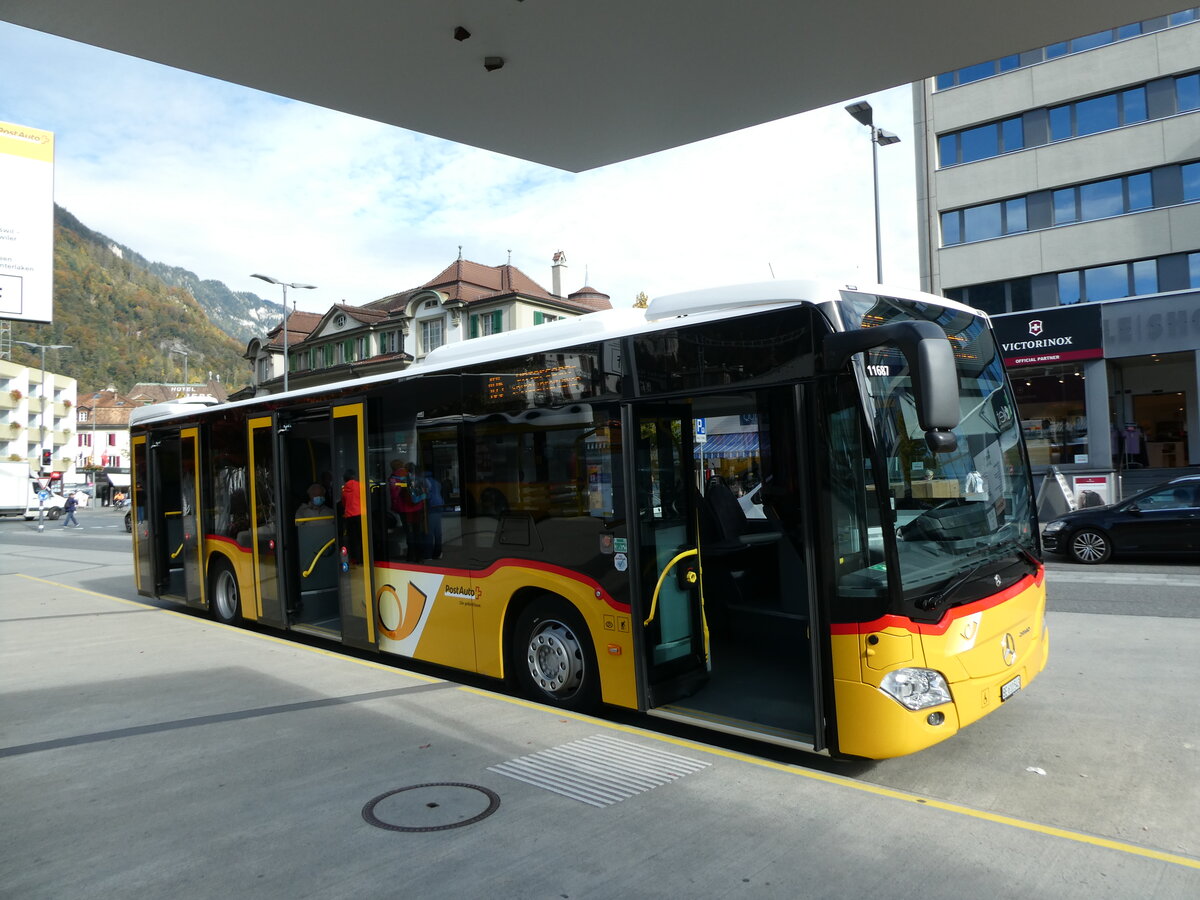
(316, 537)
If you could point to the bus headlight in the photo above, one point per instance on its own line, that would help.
(916, 688)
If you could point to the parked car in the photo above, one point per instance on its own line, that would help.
(1162, 520)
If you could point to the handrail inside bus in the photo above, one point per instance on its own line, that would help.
(662, 577)
(317, 558)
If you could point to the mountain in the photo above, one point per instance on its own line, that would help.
(128, 320)
(240, 314)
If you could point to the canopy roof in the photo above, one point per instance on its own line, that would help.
(579, 84)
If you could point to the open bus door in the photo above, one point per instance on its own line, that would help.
(727, 598)
(312, 562)
(166, 534)
(264, 522)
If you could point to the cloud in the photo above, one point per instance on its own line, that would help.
(226, 181)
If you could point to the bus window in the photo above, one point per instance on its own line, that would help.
(226, 491)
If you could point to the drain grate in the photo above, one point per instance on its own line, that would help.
(599, 770)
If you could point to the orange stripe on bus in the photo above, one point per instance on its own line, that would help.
(943, 624)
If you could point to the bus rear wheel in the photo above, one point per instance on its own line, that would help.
(553, 656)
(225, 598)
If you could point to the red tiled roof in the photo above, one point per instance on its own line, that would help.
(300, 325)
(471, 282)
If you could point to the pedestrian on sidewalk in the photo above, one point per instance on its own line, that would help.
(70, 511)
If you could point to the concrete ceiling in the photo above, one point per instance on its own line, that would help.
(584, 82)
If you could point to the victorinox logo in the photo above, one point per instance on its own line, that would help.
(1035, 327)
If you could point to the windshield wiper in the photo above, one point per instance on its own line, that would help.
(933, 601)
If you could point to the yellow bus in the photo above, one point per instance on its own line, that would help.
(796, 512)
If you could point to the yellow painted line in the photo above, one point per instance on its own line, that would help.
(997, 818)
(824, 777)
(332, 654)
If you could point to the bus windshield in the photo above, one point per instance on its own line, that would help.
(962, 522)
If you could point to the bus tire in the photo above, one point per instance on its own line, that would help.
(553, 656)
(225, 599)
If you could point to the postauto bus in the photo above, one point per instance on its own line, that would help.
(791, 511)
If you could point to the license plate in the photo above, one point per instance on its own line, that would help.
(1010, 688)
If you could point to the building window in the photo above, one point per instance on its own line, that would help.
(487, 323)
(1063, 48)
(1092, 115)
(541, 318)
(1165, 186)
(432, 336)
(362, 347)
(1174, 272)
(327, 356)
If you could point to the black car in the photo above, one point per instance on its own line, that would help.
(1164, 519)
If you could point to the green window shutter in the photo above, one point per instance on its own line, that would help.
(538, 317)
(348, 350)
(497, 321)
(474, 326)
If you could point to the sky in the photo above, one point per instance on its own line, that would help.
(227, 181)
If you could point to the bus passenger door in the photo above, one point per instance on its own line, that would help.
(167, 529)
(265, 523)
(139, 511)
(354, 546)
(675, 641)
(189, 491)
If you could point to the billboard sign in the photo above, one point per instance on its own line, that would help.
(1047, 336)
(26, 223)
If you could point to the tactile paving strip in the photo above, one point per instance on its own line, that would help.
(599, 770)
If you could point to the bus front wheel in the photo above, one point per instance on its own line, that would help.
(225, 597)
(553, 656)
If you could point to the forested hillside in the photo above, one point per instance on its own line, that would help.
(123, 322)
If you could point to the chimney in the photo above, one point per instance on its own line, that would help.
(558, 263)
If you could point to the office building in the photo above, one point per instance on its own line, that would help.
(1059, 190)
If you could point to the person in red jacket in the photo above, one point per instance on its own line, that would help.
(408, 502)
(352, 516)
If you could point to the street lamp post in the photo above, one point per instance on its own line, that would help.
(864, 115)
(43, 348)
(285, 285)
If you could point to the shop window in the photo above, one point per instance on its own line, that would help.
(1159, 438)
(1053, 414)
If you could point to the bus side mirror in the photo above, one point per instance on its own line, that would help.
(931, 362)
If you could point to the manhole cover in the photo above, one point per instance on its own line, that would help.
(438, 806)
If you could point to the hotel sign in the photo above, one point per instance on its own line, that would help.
(26, 223)
(1047, 336)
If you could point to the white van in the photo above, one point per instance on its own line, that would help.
(52, 508)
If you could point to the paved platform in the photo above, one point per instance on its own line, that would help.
(148, 752)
